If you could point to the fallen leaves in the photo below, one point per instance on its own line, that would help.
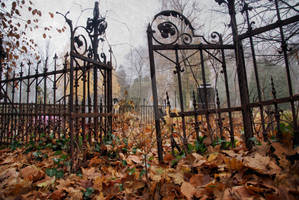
(122, 171)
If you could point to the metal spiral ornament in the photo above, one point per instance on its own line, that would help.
(168, 28)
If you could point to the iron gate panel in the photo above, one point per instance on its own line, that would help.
(171, 32)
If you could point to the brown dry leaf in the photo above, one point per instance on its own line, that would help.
(231, 153)
(238, 192)
(135, 159)
(18, 186)
(223, 176)
(169, 191)
(168, 157)
(98, 183)
(233, 163)
(156, 173)
(135, 185)
(11, 172)
(198, 180)
(95, 161)
(32, 173)
(178, 177)
(258, 163)
(212, 156)
(74, 194)
(188, 190)
(268, 191)
(57, 195)
(8, 160)
(100, 196)
(88, 172)
(51, 14)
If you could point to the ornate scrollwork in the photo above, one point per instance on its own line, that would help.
(216, 36)
(86, 39)
(172, 27)
(80, 44)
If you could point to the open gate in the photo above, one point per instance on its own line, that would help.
(172, 37)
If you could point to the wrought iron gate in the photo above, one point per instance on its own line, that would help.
(171, 35)
(73, 108)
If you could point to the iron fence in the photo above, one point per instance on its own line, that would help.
(171, 35)
(63, 101)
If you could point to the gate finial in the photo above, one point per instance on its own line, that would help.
(96, 10)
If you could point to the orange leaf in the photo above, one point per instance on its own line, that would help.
(188, 190)
(14, 4)
(51, 14)
(24, 48)
(32, 173)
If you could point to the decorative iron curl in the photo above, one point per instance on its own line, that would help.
(186, 38)
(78, 40)
(168, 31)
(215, 35)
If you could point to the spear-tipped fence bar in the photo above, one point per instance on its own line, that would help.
(41, 107)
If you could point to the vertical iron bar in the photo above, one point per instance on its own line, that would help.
(21, 112)
(155, 95)
(205, 105)
(13, 113)
(45, 132)
(89, 107)
(83, 106)
(110, 86)
(232, 139)
(55, 128)
(2, 57)
(95, 101)
(178, 71)
(76, 107)
(37, 131)
(27, 105)
(196, 125)
(65, 95)
(276, 111)
(246, 8)
(71, 97)
(220, 124)
(284, 47)
(7, 107)
(243, 87)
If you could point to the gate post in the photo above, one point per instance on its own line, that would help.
(243, 87)
(154, 91)
(109, 86)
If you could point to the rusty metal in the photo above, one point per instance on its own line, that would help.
(154, 92)
(276, 110)
(246, 9)
(165, 36)
(48, 102)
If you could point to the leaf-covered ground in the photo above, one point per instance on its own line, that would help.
(126, 167)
